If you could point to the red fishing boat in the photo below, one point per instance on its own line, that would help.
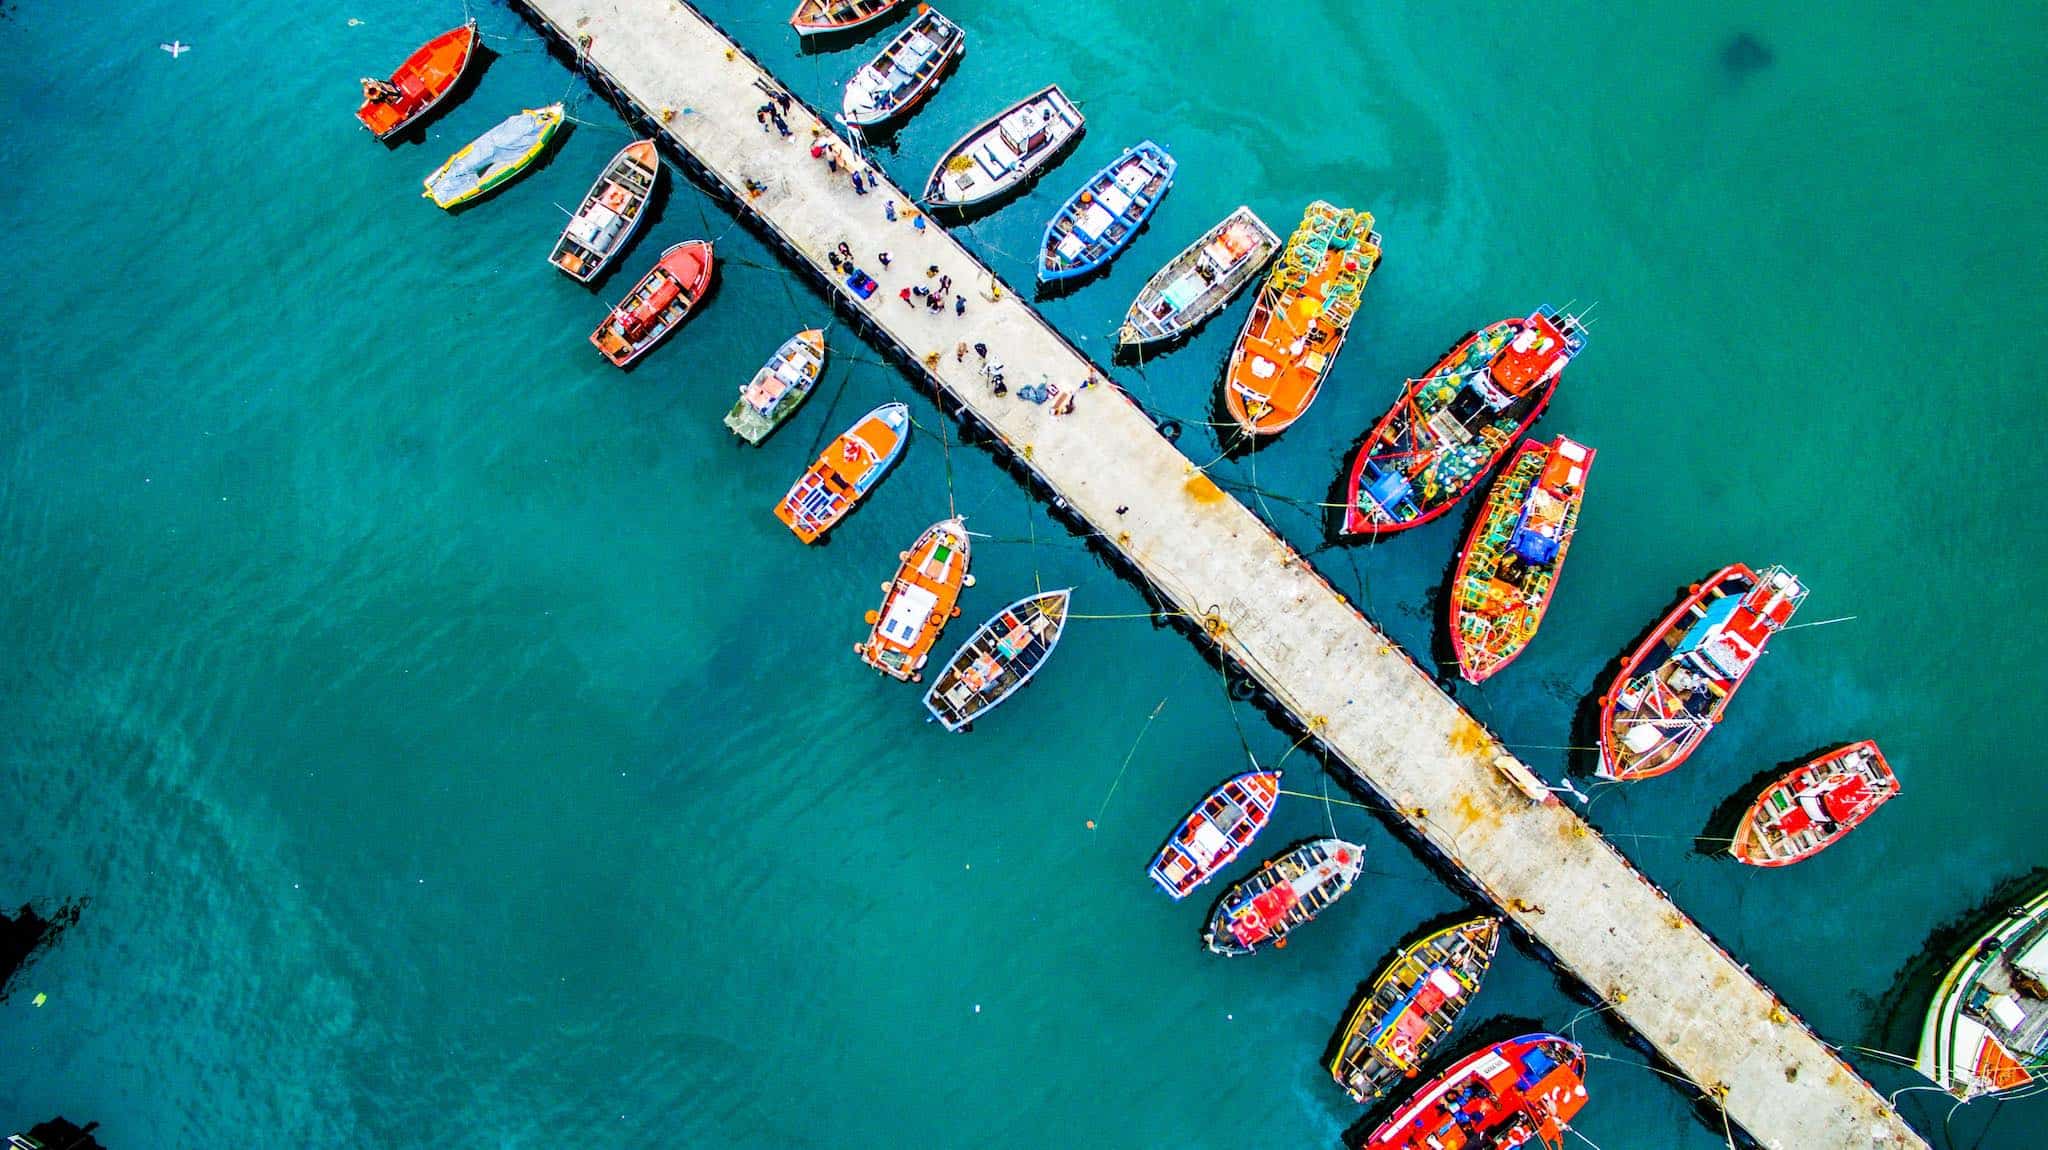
(1675, 686)
(1803, 813)
(824, 17)
(1450, 427)
(1284, 893)
(1215, 831)
(419, 84)
(657, 304)
(1512, 558)
(1522, 1092)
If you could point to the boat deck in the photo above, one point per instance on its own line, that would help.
(1208, 555)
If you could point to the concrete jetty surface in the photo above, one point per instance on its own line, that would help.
(1210, 557)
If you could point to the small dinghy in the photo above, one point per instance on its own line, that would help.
(419, 85)
(1514, 554)
(1678, 682)
(611, 212)
(1101, 219)
(849, 468)
(781, 385)
(493, 159)
(999, 658)
(1513, 1095)
(918, 603)
(1000, 155)
(1452, 426)
(1284, 893)
(904, 73)
(657, 304)
(1198, 282)
(1811, 808)
(1411, 1007)
(826, 17)
(1212, 834)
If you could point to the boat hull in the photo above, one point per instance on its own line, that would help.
(974, 172)
(1300, 320)
(1114, 204)
(1185, 293)
(1385, 468)
(782, 385)
(834, 17)
(1848, 784)
(1412, 1005)
(1488, 628)
(1287, 892)
(848, 470)
(1953, 1051)
(425, 78)
(667, 295)
(999, 659)
(1212, 835)
(918, 603)
(1523, 1092)
(453, 184)
(611, 213)
(929, 68)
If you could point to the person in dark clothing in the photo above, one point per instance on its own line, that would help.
(959, 305)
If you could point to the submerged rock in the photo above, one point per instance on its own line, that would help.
(27, 932)
(1744, 54)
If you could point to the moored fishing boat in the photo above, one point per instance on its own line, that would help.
(1221, 825)
(918, 603)
(1520, 1093)
(903, 73)
(493, 159)
(1453, 424)
(1987, 1029)
(610, 213)
(827, 17)
(1101, 219)
(657, 304)
(779, 388)
(1411, 1007)
(848, 469)
(1288, 890)
(1298, 322)
(1198, 282)
(999, 155)
(420, 83)
(1805, 812)
(1675, 686)
(999, 658)
(1511, 560)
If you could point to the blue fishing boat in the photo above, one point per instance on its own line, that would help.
(1099, 221)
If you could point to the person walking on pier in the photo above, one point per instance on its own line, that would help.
(860, 188)
(889, 210)
(883, 257)
(959, 305)
(904, 295)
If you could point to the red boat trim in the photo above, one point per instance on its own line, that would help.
(1699, 594)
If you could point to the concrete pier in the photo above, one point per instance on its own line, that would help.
(1211, 558)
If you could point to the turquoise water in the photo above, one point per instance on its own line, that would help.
(455, 751)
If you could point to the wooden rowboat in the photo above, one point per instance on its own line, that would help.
(657, 304)
(1288, 891)
(495, 158)
(1411, 1007)
(781, 385)
(998, 659)
(1811, 808)
(825, 17)
(610, 213)
(1198, 282)
(902, 74)
(1211, 835)
(420, 83)
(1107, 213)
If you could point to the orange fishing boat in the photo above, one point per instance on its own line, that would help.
(850, 467)
(1298, 323)
(656, 304)
(823, 17)
(419, 84)
(918, 603)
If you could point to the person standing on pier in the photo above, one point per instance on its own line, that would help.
(889, 210)
(959, 305)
